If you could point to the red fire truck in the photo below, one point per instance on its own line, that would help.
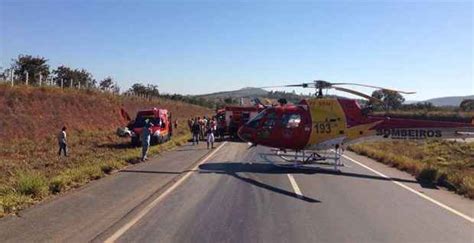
(161, 128)
(231, 118)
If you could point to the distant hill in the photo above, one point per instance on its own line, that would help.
(449, 100)
(241, 93)
(245, 95)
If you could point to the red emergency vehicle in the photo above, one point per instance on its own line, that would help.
(161, 130)
(231, 118)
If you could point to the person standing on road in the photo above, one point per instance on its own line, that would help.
(202, 128)
(62, 141)
(210, 135)
(196, 130)
(146, 137)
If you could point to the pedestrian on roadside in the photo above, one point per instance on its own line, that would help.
(146, 138)
(62, 141)
(202, 129)
(196, 130)
(210, 136)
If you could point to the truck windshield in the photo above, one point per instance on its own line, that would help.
(140, 121)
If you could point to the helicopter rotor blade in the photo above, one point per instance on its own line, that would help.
(303, 85)
(350, 91)
(375, 87)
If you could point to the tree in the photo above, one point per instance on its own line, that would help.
(138, 88)
(34, 66)
(467, 105)
(152, 90)
(391, 99)
(66, 74)
(106, 84)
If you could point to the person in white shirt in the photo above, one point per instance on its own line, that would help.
(62, 141)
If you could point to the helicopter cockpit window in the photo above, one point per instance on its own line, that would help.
(256, 120)
(291, 120)
(270, 120)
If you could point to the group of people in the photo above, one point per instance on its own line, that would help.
(203, 129)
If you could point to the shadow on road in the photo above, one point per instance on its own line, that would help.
(232, 169)
(265, 168)
(156, 172)
(235, 168)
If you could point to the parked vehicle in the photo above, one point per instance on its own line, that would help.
(231, 118)
(162, 128)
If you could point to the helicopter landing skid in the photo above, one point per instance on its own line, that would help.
(311, 159)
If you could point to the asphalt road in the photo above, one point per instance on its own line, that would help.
(237, 195)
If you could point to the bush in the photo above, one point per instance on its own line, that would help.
(106, 168)
(33, 184)
(57, 185)
(428, 175)
(12, 201)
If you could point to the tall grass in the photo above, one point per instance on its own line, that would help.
(102, 154)
(31, 184)
(445, 163)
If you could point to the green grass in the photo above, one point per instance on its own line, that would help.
(31, 184)
(444, 163)
(31, 172)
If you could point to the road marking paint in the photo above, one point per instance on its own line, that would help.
(452, 210)
(147, 209)
(295, 186)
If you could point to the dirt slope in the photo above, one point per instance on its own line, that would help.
(37, 113)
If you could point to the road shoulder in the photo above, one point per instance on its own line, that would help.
(457, 202)
(83, 214)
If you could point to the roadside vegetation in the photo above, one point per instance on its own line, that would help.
(445, 163)
(30, 169)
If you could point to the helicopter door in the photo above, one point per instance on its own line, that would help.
(294, 132)
(267, 132)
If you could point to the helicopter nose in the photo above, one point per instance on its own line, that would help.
(246, 133)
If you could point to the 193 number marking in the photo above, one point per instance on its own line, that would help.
(323, 127)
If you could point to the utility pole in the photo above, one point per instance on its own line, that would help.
(62, 83)
(79, 84)
(70, 85)
(40, 78)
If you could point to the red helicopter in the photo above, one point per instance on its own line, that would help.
(324, 123)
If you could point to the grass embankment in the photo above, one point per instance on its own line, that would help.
(31, 171)
(442, 114)
(444, 163)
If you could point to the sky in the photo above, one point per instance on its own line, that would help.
(196, 47)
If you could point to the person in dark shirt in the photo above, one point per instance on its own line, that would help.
(196, 130)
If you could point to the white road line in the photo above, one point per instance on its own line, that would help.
(145, 210)
(454, 211)
(295, 186)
